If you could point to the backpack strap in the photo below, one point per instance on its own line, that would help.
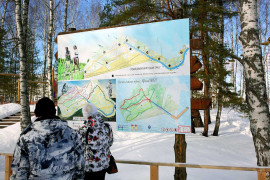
(107, 125)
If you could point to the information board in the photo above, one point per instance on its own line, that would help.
(137, 75)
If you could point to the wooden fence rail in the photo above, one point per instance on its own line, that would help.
(155, 165)
(154, 168)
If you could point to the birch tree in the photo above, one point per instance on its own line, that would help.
(65, 15)
(50, 51)
(92, 14)
(4, 14)
(45, 26)
(74, 12)
(21, 24)
(255, 81)
(232, 48)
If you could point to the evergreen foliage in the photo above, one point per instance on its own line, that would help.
(208, 17)
(6, 87)
(118, 12)
(9, 64)
(33, 64)
(3, 51)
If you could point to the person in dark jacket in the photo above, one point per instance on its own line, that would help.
(48, 148)
(97, 138)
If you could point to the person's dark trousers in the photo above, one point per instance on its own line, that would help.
(99, 175)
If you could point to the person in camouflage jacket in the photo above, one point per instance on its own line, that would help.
(48, 148)
(97, 138)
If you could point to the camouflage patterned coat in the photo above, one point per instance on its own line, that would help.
(97, 144)
(48, 149)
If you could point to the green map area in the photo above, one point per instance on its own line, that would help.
(146, 103)
(77, 96)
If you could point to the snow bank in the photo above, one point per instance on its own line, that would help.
(10, 135)
(232, 122)
(9, 109)
(12, 108)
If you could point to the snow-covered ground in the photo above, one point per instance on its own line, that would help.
(233, 147)
(8, 109)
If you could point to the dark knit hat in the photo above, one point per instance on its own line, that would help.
(45, 108)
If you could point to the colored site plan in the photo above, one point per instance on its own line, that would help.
(152, 99)
(75, 94)
(147, 103)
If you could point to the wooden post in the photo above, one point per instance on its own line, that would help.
(2, 101)
(261, 175)
(8, 161)
(180, 147)
(153, 172)
(18, 91)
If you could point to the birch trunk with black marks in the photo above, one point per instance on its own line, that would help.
(50, 52)
(34, 27)
(45, 60)
(232, 48)
(21, 23)
(255, 82)
(65, 16)
(265, 39)
(44, 73)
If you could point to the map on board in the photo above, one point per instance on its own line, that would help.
(128, 52)
(150, 100)
(144, 50)
(75, 94)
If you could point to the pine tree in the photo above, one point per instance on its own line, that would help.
(33, 64)
(208, 17)
(4, 80)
